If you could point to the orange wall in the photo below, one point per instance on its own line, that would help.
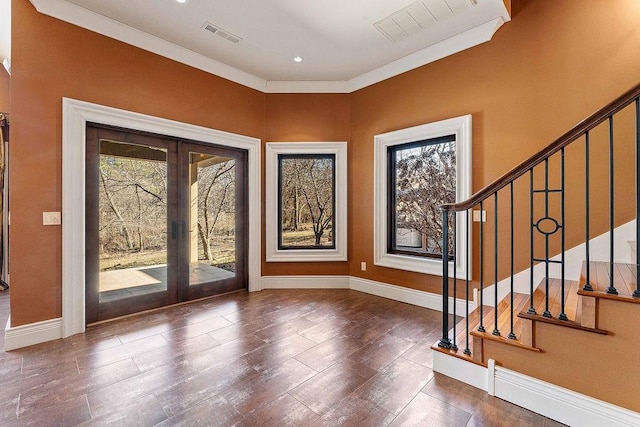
(4, 91)
(507, 4)
(568, 353)
(533, 81)
(553, 65)
(305, 118)
(51, 60)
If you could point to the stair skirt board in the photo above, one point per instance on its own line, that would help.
(598, 251)
(558, 403)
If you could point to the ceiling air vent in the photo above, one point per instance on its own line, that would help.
(221, 32)
(418, 16)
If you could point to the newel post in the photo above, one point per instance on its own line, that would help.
(444, 341)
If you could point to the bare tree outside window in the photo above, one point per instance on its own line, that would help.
(133, 208)
(423, 178)
(133, 203)
(306, 201)
(216, 209)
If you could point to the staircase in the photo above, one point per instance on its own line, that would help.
(581, 310)
(579, 333)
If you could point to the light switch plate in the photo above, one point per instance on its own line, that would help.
(51, 218)
(476, 216)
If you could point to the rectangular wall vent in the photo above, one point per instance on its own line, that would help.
(221, 33)
(417, 16)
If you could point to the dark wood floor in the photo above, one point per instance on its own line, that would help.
(271, 358)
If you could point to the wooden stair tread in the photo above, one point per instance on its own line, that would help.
(624, 279)
(504, 340)
(565, 323)
(573, 306)
(555, 302)
(458, 354)
(488, 320)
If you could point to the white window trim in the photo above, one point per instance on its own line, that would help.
(461, 128)
(339, 253)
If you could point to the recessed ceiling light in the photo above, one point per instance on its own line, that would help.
(298, 59)
(181, 1)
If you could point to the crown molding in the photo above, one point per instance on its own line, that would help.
(462, 41)
(76, 15)
(100, 24)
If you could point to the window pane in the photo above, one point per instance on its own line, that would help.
(306, 201)
(423, 178)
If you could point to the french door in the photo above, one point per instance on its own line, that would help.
(166, 221)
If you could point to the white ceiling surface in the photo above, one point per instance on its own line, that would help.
(342, 49)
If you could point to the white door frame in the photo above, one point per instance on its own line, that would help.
(75, 115)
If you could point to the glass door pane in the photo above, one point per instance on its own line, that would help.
(131, 227)
(211, 218)
(214, 221)
(132, 220)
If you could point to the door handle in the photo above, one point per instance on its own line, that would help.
(174, 230)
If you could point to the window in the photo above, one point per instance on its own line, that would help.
(422, 176)
(306, 201)
(416, 170)
(306, 194)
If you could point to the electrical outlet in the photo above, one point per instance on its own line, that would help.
(51, 218)
(476, 216)
(363, 266)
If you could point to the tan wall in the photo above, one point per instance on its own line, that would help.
(553, 65)
(51, 60)
(306, 118)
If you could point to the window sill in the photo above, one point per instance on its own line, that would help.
(410, 263)
(306, 255)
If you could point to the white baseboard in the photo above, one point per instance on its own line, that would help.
(558, 403)
(397, 293)
(304, 282)
(33, 333)
(410, 296)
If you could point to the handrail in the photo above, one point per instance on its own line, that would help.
(570, 136)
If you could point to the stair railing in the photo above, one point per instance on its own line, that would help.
(546, 218)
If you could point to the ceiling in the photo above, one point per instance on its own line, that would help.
(345, 44)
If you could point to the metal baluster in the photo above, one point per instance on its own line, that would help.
(481, 327)
(444, 341)
(532, 309)
(511, 335)
(496, 331)
(454, 346)
(611, 289)
(467, 351)
(636, 293)
(587, 285)
(562, 315)
(546, 312)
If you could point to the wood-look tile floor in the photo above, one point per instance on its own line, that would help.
(271, 358)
